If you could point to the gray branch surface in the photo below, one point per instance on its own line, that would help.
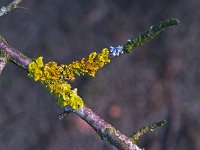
(106, 131)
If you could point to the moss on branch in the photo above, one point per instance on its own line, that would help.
(150, 34)
(149, 128)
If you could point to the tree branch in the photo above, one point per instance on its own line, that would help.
(106, 131)
(14, 56)
(150, 34)
(17, 2)
(149, 128)
(10, 7)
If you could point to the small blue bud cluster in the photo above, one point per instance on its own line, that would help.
(116, 51)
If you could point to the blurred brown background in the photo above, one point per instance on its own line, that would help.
(160, 80)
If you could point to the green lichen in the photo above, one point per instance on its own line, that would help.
(149, 128)
(148, 35)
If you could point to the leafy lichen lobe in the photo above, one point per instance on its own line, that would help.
(54, 77)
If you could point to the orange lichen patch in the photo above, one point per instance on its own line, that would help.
(54, 77)
(90, 66)
(50, 75)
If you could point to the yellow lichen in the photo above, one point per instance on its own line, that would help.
(54, 77)
(36, 68)
(90, 66)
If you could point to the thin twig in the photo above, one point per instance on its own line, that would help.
(17, 2)
(10, 7)
(149, 128)
(150, 34)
